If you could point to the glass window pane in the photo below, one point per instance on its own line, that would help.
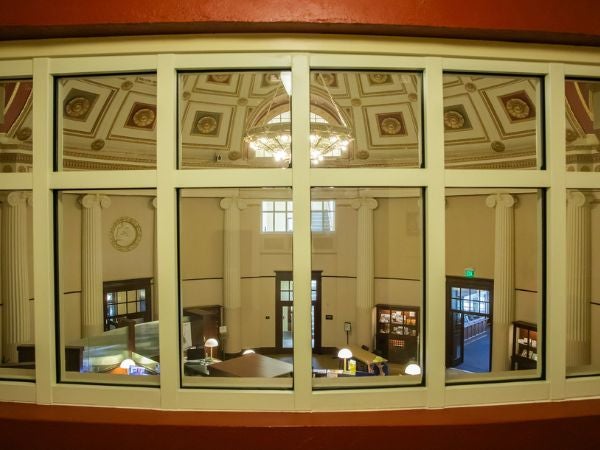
(260, 316)
(582, 98)
(17, 354)
(106, 122)
(16, 125)
(280, 222)
(365, 119)
(345, 307)
(483, 342)
(267, 222)
(492, 122)
(583, 282)
(96, 342)
(234, 119)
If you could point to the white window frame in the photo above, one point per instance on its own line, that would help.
(433, 58)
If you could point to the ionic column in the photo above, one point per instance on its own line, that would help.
(154, 312)
(231, 274)
(16, 316)
(92, 312)
(504, 278)
(364, 271)
(578, 279)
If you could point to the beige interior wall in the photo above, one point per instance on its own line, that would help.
(117, 265)
(470, 244)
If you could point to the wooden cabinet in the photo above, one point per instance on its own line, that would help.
(525, 346)
(397, 333)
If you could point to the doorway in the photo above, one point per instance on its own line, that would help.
(469, 323)
(284, 310)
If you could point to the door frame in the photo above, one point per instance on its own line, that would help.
(469, 283)
(287, 275)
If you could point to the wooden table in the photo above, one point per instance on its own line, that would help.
(363, 355)
(252, 365)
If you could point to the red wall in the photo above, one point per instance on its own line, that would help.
(563, 21)
(571, 425)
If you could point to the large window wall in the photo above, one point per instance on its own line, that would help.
(411, 161)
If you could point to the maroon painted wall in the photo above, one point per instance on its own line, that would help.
(550, 426)
(530, 20)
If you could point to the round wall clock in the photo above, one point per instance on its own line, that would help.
(125, 234)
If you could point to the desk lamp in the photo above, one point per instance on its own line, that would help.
(413, 369)
(211, 343)
(345, 353)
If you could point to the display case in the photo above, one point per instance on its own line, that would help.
(525, 346)
(397, 334)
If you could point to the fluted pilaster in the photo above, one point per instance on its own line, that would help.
(504, 277)
(231, 273)
(16, 316)
(364, 270)
(92, 316)
(578, 279)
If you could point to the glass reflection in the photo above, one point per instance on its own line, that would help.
(493, 279)
(17, 354)
(582, 103)
(362, 119)
(492, 122)
(16, 125)
(106, 122)
(237, 289)
(108, 322)
(367, 287)
(235, 119)
(583, 282)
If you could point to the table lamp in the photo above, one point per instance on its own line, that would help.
(211, 343)
(345, 353)
(413, 369)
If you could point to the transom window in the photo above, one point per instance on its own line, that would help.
(277, 216)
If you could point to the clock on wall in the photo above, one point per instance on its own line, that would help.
(125, 234)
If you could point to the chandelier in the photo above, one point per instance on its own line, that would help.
(274, 138)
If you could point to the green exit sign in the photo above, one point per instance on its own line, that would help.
(469, 273)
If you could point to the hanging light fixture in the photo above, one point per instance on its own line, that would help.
(274, 138)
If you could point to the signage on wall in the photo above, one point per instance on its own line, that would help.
(469, 272)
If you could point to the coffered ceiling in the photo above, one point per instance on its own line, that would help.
(109, 122)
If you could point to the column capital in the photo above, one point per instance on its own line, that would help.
(364, 202)
(504, 200)
(233, 202)
(578, 199)
(93, 200)
(16, 198)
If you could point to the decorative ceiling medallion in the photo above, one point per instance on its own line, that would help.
(206, 123)
(391, 124)
(380, 78)
(571, 135)
(142, 115)
(456, 118)
(242, 101)
(24, 133)
(98, 144)
(271, 79)
(518, 106)
(413, 97)
(220, 78)
(234, 155)
(186, 95)
(453, 120)
(355, 102)
(125, 234)
(328, 79)
(363, 154)
(498, 146)
(78, 104)
(470, 87)
(127, 85)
